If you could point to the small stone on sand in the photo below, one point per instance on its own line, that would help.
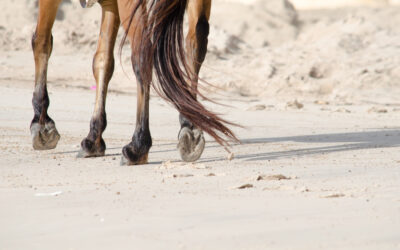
(246, 186)
(277, 177)
(295, 104)
(182, 175)
(257, 107)
(377, 110)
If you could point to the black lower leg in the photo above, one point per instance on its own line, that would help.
(43, 129)
(202, 31)
(93, 145)
(185, 122)
(136, 152)
(40, 103)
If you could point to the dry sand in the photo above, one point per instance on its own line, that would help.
(318, 168)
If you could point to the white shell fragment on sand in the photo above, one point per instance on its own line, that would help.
(48, 194)
(338, 195)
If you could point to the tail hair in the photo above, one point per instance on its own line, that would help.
(161, 49)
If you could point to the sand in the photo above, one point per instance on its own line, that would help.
(318, 168)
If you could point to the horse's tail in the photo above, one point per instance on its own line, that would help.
(161, 48)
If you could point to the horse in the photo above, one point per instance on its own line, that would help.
(154, 29)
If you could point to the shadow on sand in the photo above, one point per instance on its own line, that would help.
(351, 141)
(385, 138)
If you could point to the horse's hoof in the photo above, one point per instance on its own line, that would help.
(90, 149)
(191, 144)
(44, 137)
(131, 157)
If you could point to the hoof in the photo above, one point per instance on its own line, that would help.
(191, 144)
(91, 149)
(130, 156)
(44, 137)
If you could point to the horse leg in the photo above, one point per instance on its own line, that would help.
(191, 140)
(103, 67)
(43, 129)
(136, 152)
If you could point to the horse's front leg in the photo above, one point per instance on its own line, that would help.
(103, 67)
(43, 129)
(191, 140)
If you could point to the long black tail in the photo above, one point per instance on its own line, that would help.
(161, 49)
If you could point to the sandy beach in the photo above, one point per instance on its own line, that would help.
(315, 87)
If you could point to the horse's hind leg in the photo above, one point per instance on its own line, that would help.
(191, 140)
(103, 67)
(136, 152)
(43, 129)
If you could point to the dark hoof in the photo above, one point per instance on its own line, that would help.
(191, 144)
(44, 136)
(130, 156)
(91, 149)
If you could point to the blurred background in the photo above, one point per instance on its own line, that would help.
(341, 51)
(316, 4)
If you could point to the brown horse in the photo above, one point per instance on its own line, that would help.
(154, 29)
